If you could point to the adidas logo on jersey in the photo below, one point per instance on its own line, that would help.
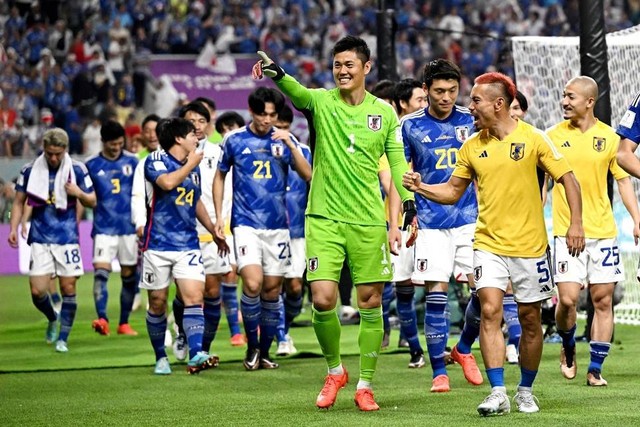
(246, 151)
(545, 288)
(386, 271)
(566, 144)
(483, 155)
(618, 271)
(426, 139)
(101, 173)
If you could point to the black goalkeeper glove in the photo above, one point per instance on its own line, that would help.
(269, 68)
(410, 221)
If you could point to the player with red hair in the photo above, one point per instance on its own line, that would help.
(510, 238)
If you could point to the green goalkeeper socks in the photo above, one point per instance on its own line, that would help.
(327, 328)
(370, 340)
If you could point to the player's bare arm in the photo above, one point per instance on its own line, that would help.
(395, 237)
(87, 199)
(16, 215)
(575, 233)
(447, 193)
(300, 164)
(218, 195)
(628, 196)
(627, 158)
(203, 217)
(169, 181)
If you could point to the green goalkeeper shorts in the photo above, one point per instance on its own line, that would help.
(365, 246)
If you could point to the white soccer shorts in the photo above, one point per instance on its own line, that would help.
(106, 248)
(213, 262)
(159, 266)
(58, 260)
(269, 249)
(298, 259)
(600, 262)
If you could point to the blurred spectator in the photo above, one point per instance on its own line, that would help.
(91, 139)
(60, 41)
(7, 194)
(131, 130)
(7, 114)
(24, 106)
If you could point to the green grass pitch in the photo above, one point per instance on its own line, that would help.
(109, 381)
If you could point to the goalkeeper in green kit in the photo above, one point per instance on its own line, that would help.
(345, 215)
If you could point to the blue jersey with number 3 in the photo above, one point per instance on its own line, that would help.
(112, 180)
(171, 223)
(260, 167)
(432, 146)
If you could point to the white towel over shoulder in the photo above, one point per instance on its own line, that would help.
(38, 185)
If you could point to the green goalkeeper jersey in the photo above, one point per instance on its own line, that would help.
(349, 141)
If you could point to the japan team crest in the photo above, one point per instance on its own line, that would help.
(599, 144)
(563, 267)
(313, 264)
(242, 250)
(462, 133)
(149, 277)
(374, 122)
(517, 151)
(195, 177)
(421, 265)
(477, 273)
(277, 149)
(127, 170)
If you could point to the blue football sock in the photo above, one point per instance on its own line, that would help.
(211, 321)
(269, 321)
(178, 314)
(471, 329)
(599, 351)
(387, 298)
(510, 314)
(292, 308)
(193, 323)
(527, 377)
(156, 328)
(495, 376)
(55, 297)
(407, 314)
(251, 314)
(229, 293)
(127, 294)
(67, 315)
(43, 303)
(101, 292)
(280, 330)
(435, 330)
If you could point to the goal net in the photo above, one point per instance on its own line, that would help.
(542, 66)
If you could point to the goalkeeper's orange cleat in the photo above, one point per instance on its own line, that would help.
(329, 392)
(126, 329)
(238, 340)
(469, 366)
(440, 384)
(101, 326)
(364, 400)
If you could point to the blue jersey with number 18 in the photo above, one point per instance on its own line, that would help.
(432, 145)
(171, 222)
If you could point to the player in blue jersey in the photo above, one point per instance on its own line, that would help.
(296, 199)
(53, 184)
(260, 156)
(214, 265)
(432, 138)
(629, 131)
(113, 231)
(170, 241)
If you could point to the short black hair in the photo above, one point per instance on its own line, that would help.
(286, 114)
(440, 69)
(197, 108)
(404, 91)
(384, 89)
(111, 130)
(227, 119)
(259, 97)
(150, 118)
(208, 101)
(522, 100)
(170, 129)
(356, 44)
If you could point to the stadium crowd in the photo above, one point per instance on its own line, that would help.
(69, 63)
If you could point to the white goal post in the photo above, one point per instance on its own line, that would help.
(542, 67)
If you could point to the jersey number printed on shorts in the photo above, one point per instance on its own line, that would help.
(193, 261)
(263, 169)
(285, 250)
(72, 256)
(611, 256)
(116, 185)
(543, 269)
(446, 157)
(184, 197)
